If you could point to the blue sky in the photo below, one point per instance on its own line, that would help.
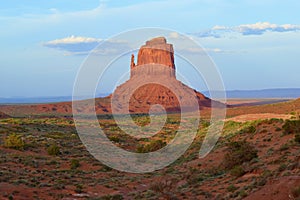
(254, 43)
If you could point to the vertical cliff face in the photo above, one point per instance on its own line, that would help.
(156, 51)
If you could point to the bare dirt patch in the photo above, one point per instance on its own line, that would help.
(262, 116)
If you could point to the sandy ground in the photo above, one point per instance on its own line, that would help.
(252, 117)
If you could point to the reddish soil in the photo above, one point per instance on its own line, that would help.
(277, 189)
(32, 173)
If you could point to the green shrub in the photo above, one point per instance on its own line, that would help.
(75, 164)
(297, 138)
(250, 129)
(282, 167)
(291, 127)
(115, 138)
(172, 121)
(79, 188)
(152, 146)
(296, 192)
(284, 147)
(14, 141)
(112, 197)
(53, 150)
(237, 171)
(243, 193)
(205, 124)
(231, 188)
(238, 153)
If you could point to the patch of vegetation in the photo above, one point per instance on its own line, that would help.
(296, 192)
(152, 146)
(291, 127)
(231, 188)
(53, 150)
(111, 197)
(239, 152)
(115, 138)
(141, 120)
(75, 164)
(237, 171)
(284, 147)
(282, 167)
(164, 188)
(205, 124)
(297, 138)
(79, 188)
(243, 193)
(172, 120)
(14, 141)
(231, 127)
(249, 129)
(273, 120)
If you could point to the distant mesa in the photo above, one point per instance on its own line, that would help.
(155, 66)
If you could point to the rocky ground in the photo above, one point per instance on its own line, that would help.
(255, 158)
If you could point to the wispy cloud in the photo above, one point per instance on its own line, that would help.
(73, 40)
(258, 28)
(188, 44)
(204, 51)
(76, 45)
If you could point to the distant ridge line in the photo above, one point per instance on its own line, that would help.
(287, 93)
(262, 93)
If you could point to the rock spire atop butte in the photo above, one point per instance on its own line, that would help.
(155, 51)
(155, 65)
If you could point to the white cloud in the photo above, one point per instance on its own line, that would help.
(258, 28)
(77, 45)
(199, 50)
(174, 35)
(73, 40)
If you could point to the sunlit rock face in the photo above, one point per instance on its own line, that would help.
(153, 81)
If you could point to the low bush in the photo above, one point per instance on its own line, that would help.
(239, 152)
(79, 188)
(231, 188)
(291, 127)
(115, 138)
(75, 164)
(249, 129)
(53, 150)
(152, 146)
(14, 141)
(237, 171)
(296, 192)
(112, 197)
(297, 138)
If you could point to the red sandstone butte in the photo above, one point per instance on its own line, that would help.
(153, 81)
